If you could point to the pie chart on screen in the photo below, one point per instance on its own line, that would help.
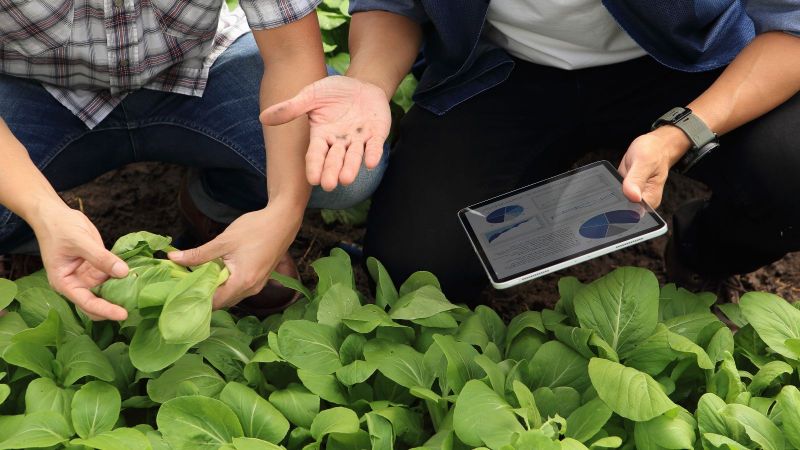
(505, 214)
(609, 224)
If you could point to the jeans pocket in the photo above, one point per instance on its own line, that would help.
(33, 27)
(188, 19)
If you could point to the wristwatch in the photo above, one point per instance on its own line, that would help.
(703, 139)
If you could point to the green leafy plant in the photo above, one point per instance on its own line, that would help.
(618, 363)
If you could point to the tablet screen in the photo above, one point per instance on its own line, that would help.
(555, 220)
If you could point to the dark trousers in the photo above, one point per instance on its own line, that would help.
(537, 124)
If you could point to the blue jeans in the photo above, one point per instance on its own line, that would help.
(219, 135)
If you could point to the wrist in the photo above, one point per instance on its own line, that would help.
(381, 82)
(674, 142)
(40, 210)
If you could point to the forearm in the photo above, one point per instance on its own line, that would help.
(383, 47)
(23, 188)
(764, 75)
(293, 58)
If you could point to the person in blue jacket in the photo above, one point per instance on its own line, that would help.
(514, 91)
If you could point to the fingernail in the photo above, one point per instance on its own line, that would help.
(119, 269)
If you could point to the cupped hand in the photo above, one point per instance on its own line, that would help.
(350, 121)
(645, 166)
(250, 247)
(76, 261)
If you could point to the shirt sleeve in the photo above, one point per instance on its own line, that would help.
(775, 15)
(409, 8)
(265, 14)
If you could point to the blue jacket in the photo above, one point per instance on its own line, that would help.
(688, 35)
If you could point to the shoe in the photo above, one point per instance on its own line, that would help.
(200, 228)
(725, 287)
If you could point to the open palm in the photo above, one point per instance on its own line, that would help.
(349, 121)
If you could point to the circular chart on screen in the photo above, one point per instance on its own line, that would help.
(609, 224)
(505, 213)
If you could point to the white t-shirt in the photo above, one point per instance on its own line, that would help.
(567, 34)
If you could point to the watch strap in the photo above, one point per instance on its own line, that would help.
(702, 138)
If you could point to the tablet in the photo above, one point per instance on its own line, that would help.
(556, 223)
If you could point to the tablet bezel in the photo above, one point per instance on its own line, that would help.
(560, 263)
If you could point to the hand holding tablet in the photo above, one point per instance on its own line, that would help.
(556, 223)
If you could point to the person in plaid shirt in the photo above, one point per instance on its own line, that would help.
(87, 86)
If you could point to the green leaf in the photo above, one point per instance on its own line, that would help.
(381, 434)
(291, 283)
(297, 404)
(190, 369)
(561, 401)
(556, 365)
(586, 421)
(332, 270)
(338, 302)
(95, 409)
(330, 20)
(734, 313)
(36, 358)
(228, 351)
(326, 386)
(690, 325)
(5, 391)
(254, 444)
(197, 422)
(475, 426)
(521, 322)
(789, 401)
(683, 345)
(356, 372)
(310, 346)
(385, 291)
(37, 430)
(672, 431)
(628, 392)
(186, 317)
(118, 439)
(767, 374)
(135, 243)
(757, 426)
(149, 351)
(675, 301)
(406, 423)
(400, 363)
(424, 302)
(368, 317)
(419, 280)
(8, 290)
(334, 420)
(11, 324)
(36, 304)
(774, 319)
(48, 333)
(722, 341)
(258, 417)
(80, 358)
(461, 364)
(622, 307)
(43, 394)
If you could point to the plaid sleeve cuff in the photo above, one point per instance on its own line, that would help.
(264, 14)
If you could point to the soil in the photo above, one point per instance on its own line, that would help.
(142, 196)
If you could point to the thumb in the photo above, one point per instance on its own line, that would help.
(104, 260)
(634, 183)
(289, 110)
(196, 256)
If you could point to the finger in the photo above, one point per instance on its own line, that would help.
(198, 255)
(291, 109)
(229, 293)
(634, 183)
(352, 163)
(333, 165)
(315, 159)
(102, 259)
(653, 195)
(89, 275)
(374, 152)
(94, 307)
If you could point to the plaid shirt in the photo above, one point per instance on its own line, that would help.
(89, 53)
